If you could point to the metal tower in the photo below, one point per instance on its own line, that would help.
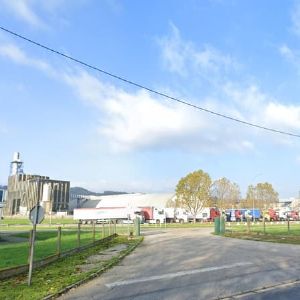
(16, 166)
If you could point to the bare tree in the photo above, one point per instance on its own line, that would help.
(262, 195)
(226, 193)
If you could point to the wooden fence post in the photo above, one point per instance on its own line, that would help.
(248, 225)
(58, 241)
(78, 235)
(94, 232)
(103, 232)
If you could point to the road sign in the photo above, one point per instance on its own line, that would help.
(36, 215)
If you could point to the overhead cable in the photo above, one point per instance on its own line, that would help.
(147, 88)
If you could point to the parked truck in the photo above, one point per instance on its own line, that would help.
(87, 215)
(153, 215)
(206, 214)
(271, 215)
(176, 215)
(238, 215)
(292, 215)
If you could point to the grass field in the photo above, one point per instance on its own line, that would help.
(15, 252)
(273, 232)
(25, 221)
(53, 278)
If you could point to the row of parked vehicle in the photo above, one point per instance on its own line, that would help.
(237, 215)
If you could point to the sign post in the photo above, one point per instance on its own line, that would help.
(36, 216)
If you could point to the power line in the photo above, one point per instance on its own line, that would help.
(145, 87)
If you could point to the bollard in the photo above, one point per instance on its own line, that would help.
(137, 224)
(222, 225)
(217, 225)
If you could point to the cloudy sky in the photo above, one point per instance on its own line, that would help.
(239, 58)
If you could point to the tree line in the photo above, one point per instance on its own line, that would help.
(197, 190)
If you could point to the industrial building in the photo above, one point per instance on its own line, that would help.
(2, 199)
(159, 200)
(24, 191)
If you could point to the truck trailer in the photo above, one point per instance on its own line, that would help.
(86, 215)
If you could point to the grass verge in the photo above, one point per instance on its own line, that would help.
(48, 282)
(265, 237)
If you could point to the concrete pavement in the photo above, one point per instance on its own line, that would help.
(193, 264)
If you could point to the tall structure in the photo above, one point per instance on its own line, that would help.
(24, 191)
(16, 166)
(2, 199)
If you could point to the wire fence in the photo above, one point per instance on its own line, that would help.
(55, 242)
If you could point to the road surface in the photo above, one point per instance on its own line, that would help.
(193, 264)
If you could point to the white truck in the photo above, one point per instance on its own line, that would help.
(87, 215)
(203, 215)
(177, 215)
(153, 215)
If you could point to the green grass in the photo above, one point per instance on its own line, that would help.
(25, 221)
(53, 278)
(277, 233)
(16, 253)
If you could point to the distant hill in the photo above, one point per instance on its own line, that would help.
(82, 191)
(3, 187)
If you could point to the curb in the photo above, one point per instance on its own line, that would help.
(94, 275)
(262, 290)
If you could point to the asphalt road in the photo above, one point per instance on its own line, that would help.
(193, 264)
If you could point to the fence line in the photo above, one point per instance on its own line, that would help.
(12, 271)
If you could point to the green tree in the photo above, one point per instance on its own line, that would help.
(261, 196)
(225, 193)
(193, 192)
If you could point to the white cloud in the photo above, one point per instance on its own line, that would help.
(137, 120)
(23, 9)
(282, 116)
(183, 57)
(131, 121)
(17, 55)
(37, 13)
(296, 19)
(291, 55)
(286, 52)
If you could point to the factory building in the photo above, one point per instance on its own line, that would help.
(160, 200)
(24, 191)
(2, 199)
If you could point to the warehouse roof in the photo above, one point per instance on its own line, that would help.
(129, 200)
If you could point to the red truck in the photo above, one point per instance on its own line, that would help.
(271, 215)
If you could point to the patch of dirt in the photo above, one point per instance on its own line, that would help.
(97, 260)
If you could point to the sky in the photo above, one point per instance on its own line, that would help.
(238, 58)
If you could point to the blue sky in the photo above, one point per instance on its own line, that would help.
(239, 58)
